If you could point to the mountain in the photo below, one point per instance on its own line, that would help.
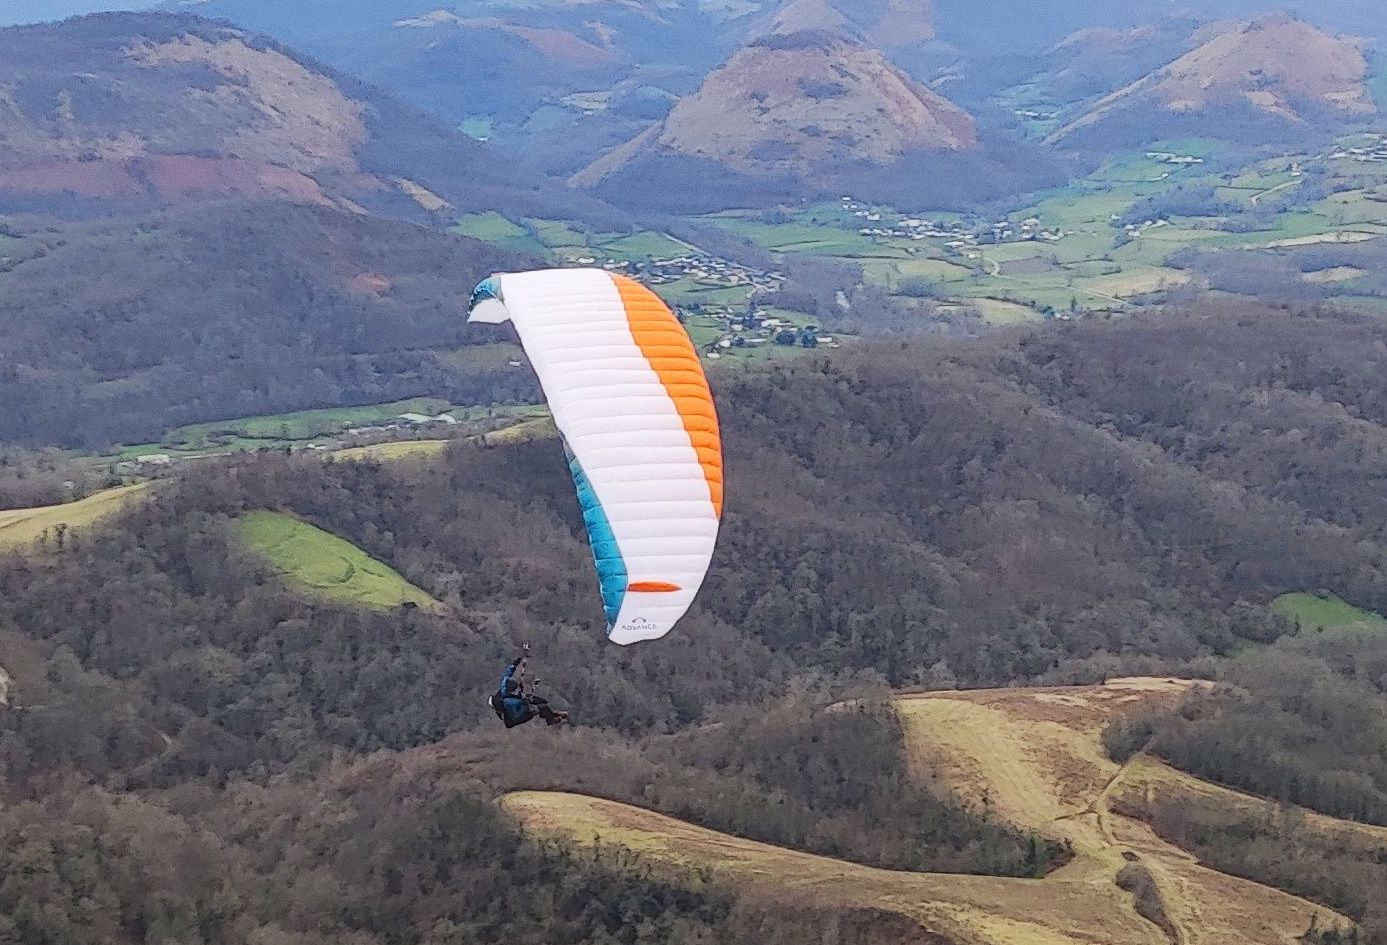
(812, 108)
(982, 27)
(565, 80)
(159, 109)
(1252, 81)
(806, 100)
(1090, 62)
(887, 24)
(561, 82)
(558, 82)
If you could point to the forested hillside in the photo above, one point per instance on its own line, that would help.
(121, 329)
(934, 512)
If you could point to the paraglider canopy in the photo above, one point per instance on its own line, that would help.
(629, 396)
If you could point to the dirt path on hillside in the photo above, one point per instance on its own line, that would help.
(1033, 757)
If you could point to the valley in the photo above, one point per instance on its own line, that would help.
(1127, 235)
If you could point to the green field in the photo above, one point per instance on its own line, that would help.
(494, 228)
(1326, 613)
(998, 312)
(541, 428)
(276, 431)
(300, 425)
(541, 235)
(323, 565)
(557, 234)
(1086, 258)
(479, 127)
(641, 245)
(815, 239)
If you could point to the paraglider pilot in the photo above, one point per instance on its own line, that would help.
(513, 705)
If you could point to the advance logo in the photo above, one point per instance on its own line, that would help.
(637, 625)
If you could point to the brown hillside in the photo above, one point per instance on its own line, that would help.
(1030, 756)
(1280, 66)
(173, 116)
(795, 104)
(156, 109)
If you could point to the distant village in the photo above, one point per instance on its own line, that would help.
(959, 240)
(707, 270)
(1372, 153)
(741, 327)
(754, 328)
(1178, 160)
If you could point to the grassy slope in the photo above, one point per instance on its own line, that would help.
(399, 450)
(1034, 757)
(22, 527)
(325, 565)
(1377, 82)
(1147, 776)
(1326, 613)
(540, 428)
(962, 908)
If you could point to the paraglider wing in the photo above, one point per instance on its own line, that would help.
(629, 396)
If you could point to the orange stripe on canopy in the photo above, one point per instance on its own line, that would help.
(653, 587)
(667, 347)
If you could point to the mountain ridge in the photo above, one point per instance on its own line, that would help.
(1278, 68)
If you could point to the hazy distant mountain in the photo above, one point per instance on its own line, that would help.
(563, 81)
(807, 113)
(510, 68)
(979, 27)
(155, 108)
(1242, 80)
(802, 104)
(560, 81)
(1092, 62)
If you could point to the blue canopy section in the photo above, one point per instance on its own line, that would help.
(611, 567)
(487, 290)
